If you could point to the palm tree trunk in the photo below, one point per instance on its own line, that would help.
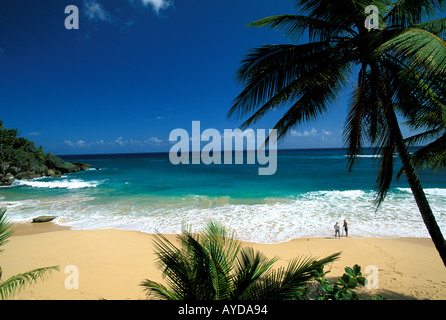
(417, 189)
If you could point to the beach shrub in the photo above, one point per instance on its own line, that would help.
(213, 265)
(15, 283)
(343, 288)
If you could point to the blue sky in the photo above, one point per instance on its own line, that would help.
(134, 71)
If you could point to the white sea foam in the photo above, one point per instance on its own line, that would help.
(272, 220)
(65, 183)
(429, 191)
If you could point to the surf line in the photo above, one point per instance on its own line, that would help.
(187, 149)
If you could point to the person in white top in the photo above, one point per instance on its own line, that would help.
(337, 230)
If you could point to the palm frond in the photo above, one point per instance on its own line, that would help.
(361, 122)
(341, 12)
(11, 286)
(158, 291)
(268, 69)
(294, 27)
(432, 154)
(436, 27)
(251, 266)
(5, 228)
(286, 283)
(421, 47)
(409, 12)
(174, 265)
(314, 101)
(218, 268)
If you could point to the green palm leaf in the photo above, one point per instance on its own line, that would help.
(409, 12)
(5, 228)
(424, 49)
(14, 284)
(294, 27)
(212, 266)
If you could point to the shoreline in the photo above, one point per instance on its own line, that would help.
(28, 228)
(111, 263)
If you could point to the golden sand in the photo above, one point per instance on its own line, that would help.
(110, 264)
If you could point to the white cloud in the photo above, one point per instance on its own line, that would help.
(312, 133)
(95, 11)
(79, 143)
(120, 141)
(154, 140)
(157, 5)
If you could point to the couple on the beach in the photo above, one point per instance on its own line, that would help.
(338, 228)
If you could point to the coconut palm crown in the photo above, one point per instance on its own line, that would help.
(392, 59)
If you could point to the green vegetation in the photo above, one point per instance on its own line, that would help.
(343, 288)
(399, 70)
(15, 283)
(21, 159)
(214, 266)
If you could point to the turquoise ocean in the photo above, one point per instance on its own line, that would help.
(310, 191)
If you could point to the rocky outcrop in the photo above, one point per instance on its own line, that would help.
(7, 179)
(21, 159)
(53, 167)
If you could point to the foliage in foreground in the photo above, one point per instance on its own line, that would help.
(343, 288)
(214, 266)
(11, 286)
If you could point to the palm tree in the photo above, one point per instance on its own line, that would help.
(214, 266)
(432, 122)
(15, 283)
(307, 78)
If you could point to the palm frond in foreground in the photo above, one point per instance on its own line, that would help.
(11, 286)
(213, 265)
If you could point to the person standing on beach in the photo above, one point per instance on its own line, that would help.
(337, 230)
(346, 228)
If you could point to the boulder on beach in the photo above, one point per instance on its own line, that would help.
(43, 219)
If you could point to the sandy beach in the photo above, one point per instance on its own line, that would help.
(112, 263)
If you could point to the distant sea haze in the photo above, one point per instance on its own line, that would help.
(310, 191)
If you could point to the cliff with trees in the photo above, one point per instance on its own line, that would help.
(21, 159)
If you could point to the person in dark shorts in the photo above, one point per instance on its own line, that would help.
(346, 228)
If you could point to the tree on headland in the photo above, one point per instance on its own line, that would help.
(21, 159)
(395, 61)
(213, 265)
(15, 283)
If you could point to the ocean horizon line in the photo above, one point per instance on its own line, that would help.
(198, 152)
